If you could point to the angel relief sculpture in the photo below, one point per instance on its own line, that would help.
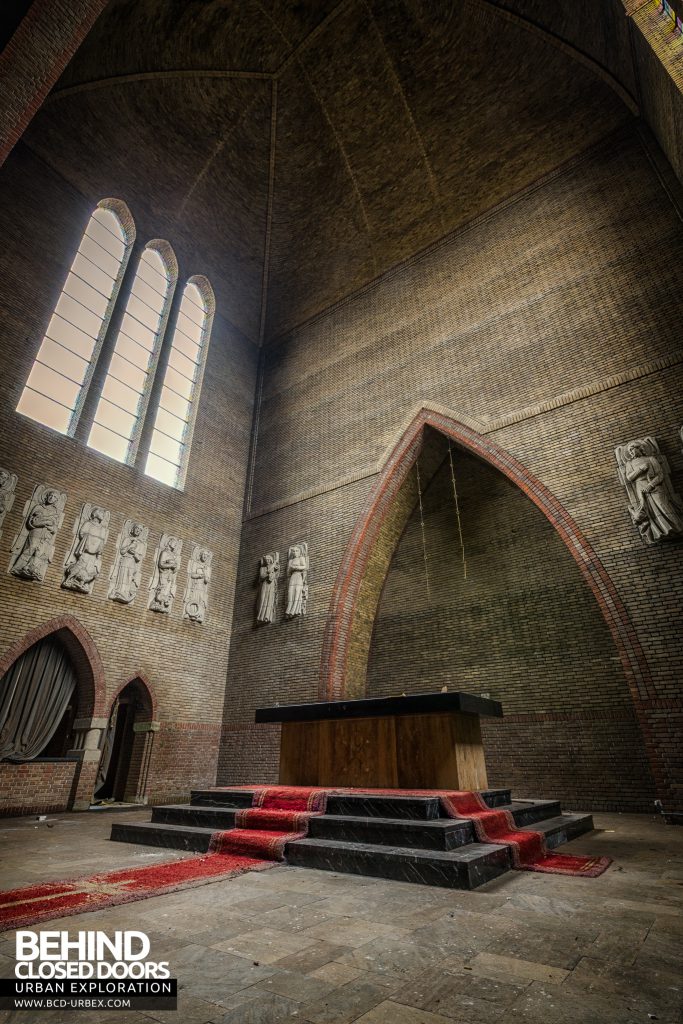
(8, 483)
(655, 508)
(83, 562)
(268, 572)
(126, 574)
(196, 602)
(297, 587)
(166, 564)
(34, 546)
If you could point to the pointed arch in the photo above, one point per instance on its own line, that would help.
(83, 653)
(345, 615)
(147, 692)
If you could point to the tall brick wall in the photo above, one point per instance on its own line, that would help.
(552, 326)
(518, 623)
(41, 219)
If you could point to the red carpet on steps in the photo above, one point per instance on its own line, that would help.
(527, 847)
(278, 814)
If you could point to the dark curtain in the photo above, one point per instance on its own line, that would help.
(34, 694)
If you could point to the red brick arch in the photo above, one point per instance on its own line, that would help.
(147, 691)
(344, 602)
(83, 653)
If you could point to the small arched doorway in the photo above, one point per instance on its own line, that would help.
(126, 750)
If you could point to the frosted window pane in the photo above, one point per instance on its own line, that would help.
(121, 395)
(170, 424)
(58, 358)
(86, 295)
(130, 375)
(182, 364)
(178, 383)
(187, 347)
(120, 422)
(152, 296)
(43, 379)
(166, 448)
(44, 410)
(107, 443)
(79, 342)
(107, 263)
(136, 344)
(96, 277)
(142, 313)
(160, 470)
(188, 326)
(78, 315)
(174, 403)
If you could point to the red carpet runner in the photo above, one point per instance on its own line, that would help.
(527, 847)
(278, 815)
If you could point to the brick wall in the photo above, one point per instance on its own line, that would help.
(552, 326)
(37, 787)
(42, 218)
(521, 624)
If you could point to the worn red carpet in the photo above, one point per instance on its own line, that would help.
(279, 814)
(527, 847)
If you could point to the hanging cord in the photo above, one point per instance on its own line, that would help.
(457, 512)
(422, 528)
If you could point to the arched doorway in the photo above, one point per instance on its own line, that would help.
(126, 747)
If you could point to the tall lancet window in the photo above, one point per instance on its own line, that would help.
(62, 370)
(123, 402)
(169, 449)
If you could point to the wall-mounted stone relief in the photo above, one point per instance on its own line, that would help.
(655, 508)
(8, 484)
(33, 547)
(196, 600)
(268, 572)
(126, 573)
(83, 562)
(297, 586)
(162, 587)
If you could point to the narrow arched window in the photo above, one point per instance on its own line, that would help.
(169, 449)
(121, 409)
(62, 370)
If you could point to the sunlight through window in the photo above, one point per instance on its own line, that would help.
(121, 408)
(170, 445)
(61, 372)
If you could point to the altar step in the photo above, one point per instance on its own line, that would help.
(401, 837)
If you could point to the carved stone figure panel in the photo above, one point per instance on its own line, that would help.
(297, 586)
(33, 547)
(656, 509)
(126, 573)
(8, 483)
(83, 563)
(162, 587)
(268, 572)
(196, 600)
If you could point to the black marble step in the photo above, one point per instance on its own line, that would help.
(433, 834)
(175, 837)
(222, 797)
(191, 814)
(465, 868)
(562, 828)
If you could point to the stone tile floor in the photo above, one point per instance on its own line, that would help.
(297, 945)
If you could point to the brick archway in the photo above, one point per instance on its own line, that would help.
(132, 772)
(83, 653)
(343, 616)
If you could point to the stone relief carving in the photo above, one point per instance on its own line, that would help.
(166, 565)
(83, 563)
(33, 547)
(656, 509)
(297, 586)
(196, 600)
(268, 572)
(8, 483)
(126, 573)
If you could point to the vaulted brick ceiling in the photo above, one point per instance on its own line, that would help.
(303, 148)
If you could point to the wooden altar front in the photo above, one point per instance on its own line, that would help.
(424, 741)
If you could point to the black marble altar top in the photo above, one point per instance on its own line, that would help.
(378, 707)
